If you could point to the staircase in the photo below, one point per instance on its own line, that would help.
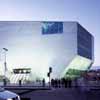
(14, 78)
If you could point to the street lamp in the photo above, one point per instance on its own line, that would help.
(5, 63)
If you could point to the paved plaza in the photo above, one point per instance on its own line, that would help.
(62, 94)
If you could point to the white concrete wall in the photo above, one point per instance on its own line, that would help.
(28, 47)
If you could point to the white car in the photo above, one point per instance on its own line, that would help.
(8, 95)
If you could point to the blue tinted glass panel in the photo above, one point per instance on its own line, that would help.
(52, 27)
(84, 41)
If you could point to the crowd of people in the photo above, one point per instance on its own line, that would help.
(61, 83)
(56, 83)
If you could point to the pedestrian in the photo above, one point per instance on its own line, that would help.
(52, 82)
(5, 82)
(43, 82)
(20, 82)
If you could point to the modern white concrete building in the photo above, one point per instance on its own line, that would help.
(42, 44)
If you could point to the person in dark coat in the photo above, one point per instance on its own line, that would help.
(20, 82)
(52, 83)
(43, 82)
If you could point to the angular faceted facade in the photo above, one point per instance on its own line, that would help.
(64, 46)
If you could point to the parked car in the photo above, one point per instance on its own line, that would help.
(8, 95)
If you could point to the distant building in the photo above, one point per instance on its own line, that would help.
(67, 47)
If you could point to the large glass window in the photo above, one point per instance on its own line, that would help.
(84, 43)
(52, 27)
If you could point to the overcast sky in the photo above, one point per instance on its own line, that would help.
(86, 12)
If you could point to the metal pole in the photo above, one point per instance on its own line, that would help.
(49, 82)
(5, 64)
